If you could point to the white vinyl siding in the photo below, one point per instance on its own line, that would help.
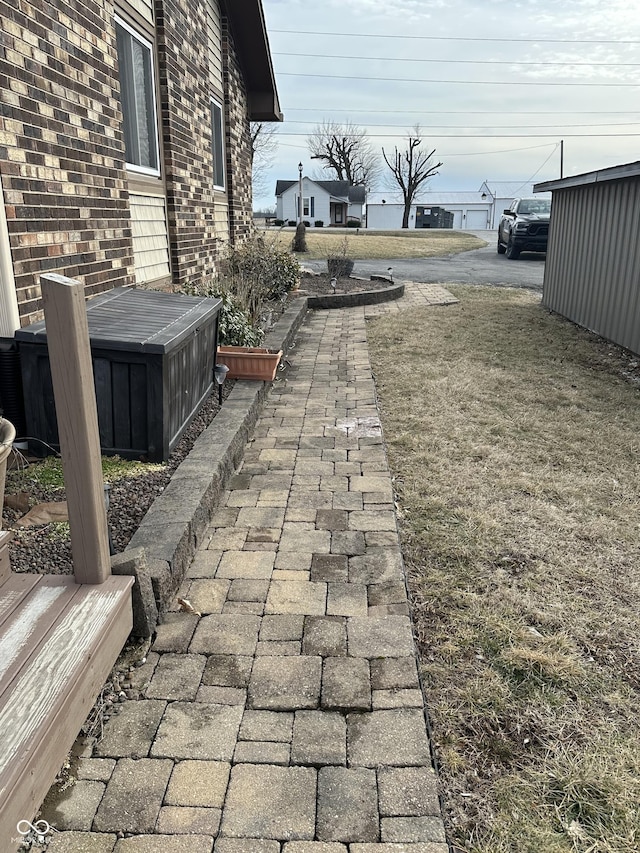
(214, 39)
(221, 218)
(150, 239)
(143, 7)
(138, 99)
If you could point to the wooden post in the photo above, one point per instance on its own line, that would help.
(75, 396)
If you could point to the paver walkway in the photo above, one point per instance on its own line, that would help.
(287, 716)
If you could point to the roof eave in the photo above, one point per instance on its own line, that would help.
(252, 44)
(615, 173)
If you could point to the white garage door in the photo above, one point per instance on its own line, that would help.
(476, 219)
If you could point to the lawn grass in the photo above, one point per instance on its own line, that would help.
(366, 245)
(514, 441)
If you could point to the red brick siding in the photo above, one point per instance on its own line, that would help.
(61, 147)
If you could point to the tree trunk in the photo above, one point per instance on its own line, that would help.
(405, 215)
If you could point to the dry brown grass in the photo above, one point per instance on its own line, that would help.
(381, 244)
(514, 438)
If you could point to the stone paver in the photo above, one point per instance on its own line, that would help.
(288, 716)
(285, 683)
(176, 677)
(325, 636)
(270, 802)
(226, 634)
(395, 738)
(77, 809)
(347, 804)
(319, 738)
(198, 783)
(165, 844)
(131, 732)
(82, 842)
(346, 684)
(133, 797)
(197, 730)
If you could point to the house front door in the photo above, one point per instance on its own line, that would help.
(337, 214)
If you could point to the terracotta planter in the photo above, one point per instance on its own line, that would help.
(7, 437)
(250, 362)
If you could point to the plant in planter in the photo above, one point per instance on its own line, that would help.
(339, 264)
(254, 277)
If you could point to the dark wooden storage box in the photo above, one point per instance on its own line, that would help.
(153, 356)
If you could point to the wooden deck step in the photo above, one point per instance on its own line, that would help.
(58, 643)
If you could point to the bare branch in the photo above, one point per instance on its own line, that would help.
(264, 143)
(410, 169)
(345, 153)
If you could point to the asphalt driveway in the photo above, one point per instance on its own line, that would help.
(480, 266)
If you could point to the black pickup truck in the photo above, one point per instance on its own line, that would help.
(524, 227)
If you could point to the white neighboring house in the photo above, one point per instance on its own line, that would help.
(329, 202)
(470, 210)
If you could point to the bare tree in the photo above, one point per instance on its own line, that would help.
(410, 169)
(264, 143)
(346, 153)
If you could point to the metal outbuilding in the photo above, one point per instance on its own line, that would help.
(592, 271)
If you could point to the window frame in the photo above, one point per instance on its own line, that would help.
(148, 45)
(215, 103)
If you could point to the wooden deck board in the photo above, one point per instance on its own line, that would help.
(43, 711)
(13, 591)
(22, 632)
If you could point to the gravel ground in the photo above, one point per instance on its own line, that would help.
(46, 549)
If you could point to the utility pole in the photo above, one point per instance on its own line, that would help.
(562, 158)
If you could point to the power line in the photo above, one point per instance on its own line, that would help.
(539, 40)
(301, 147)
(590, 84)
(427, 133)
(460, 61)
(463, 112)
(470, 126)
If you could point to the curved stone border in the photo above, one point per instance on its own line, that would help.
(352, 300)
(163, 546)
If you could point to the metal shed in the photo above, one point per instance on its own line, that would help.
(592, 271)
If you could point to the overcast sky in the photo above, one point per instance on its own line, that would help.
(495, 121)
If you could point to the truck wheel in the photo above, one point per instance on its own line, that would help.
(512, 251)
(501, 248)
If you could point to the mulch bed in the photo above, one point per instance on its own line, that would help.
(320, 285)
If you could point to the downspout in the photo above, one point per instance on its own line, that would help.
(9, 316)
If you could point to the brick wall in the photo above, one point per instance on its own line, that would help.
(238, 138)
(61, 147)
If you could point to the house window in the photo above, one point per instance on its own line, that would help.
(217, 144)
(308, 206)
(137, 97)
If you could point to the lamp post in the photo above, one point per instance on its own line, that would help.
(299, 193)
(220, 373)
